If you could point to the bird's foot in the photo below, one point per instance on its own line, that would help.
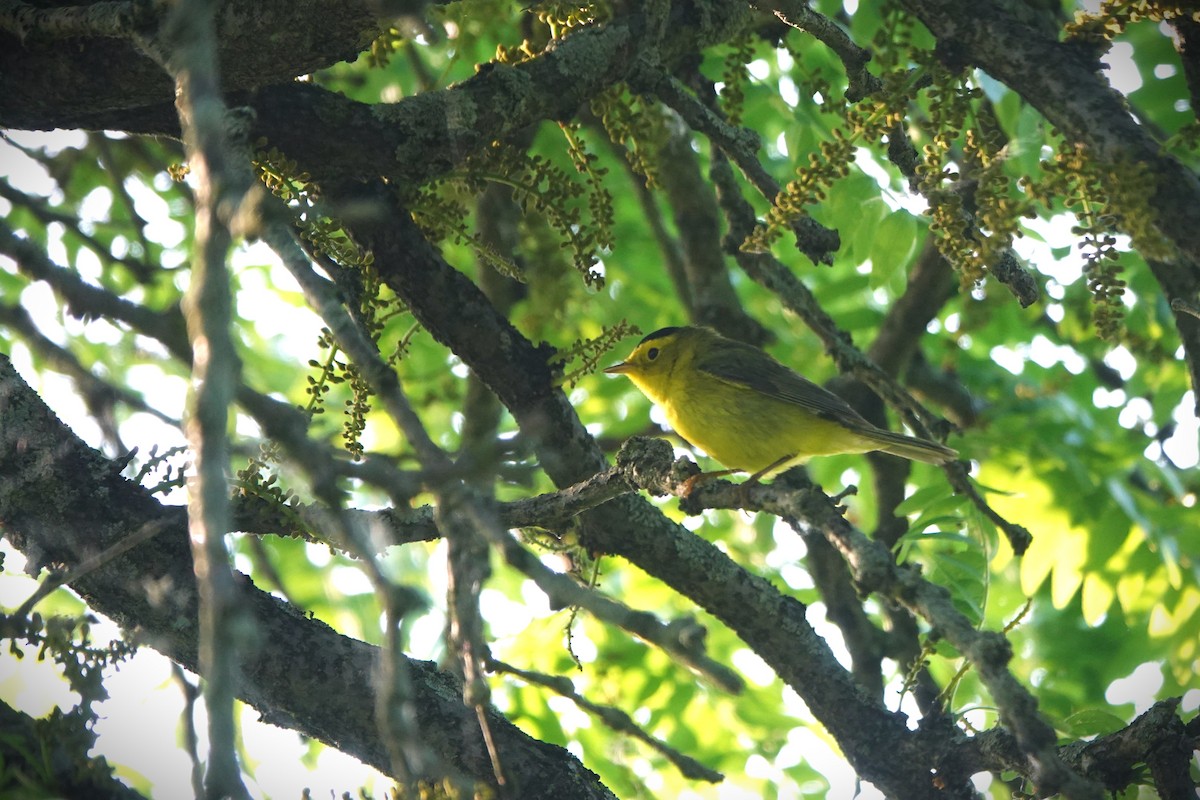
(693, 483)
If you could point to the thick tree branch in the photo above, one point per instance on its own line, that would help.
(414, 140)
(1157, 738)
(102, 19)
(1063, 81)
(291, 686)
(875, 571)
(710, 295)
(98, 81)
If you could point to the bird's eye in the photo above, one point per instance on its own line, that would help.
(652, 354)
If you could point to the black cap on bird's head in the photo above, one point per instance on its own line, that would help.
(660, 333)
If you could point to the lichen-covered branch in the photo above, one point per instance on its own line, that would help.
(875, 570)
(39, 457)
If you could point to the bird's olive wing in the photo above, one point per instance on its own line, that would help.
(750, 367)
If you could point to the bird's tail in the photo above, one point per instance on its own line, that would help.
(912, 448)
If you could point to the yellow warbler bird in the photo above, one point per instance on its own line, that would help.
(748, 411)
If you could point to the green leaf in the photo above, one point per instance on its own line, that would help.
(893, 247)
(1091, 722)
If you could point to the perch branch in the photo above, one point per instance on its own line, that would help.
(874, 570)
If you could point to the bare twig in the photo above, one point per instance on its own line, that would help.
(99, 395)
(189, 46)
(799, 15)
(741, 145)
(323, 297)
(82, 298)
(57, 579)
(44, 213)
(613, 717)
(409, 757)
(683, 639)
(191, 740)
(468, 521)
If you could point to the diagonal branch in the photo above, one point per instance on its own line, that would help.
(613, 717)
(704, 285)
(797, 14)
(39, 457)
(740, 144)
(1063, 81)
(766, 270)
(875, 570)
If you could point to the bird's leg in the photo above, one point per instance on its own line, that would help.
(767, 470)
(743, 488)
(691, 483)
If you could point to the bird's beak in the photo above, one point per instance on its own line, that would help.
(617, 369)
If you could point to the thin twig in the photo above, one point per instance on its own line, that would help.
(120, 547)
(323, 297)
(468, 521)
(613, 717)
(191, 741)
(186, 48)
(682, 639)
(468, 563)
(797, 14)
(741, 145)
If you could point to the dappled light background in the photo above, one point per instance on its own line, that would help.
(1089, 442)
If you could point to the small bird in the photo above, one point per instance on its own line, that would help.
(748, 411)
